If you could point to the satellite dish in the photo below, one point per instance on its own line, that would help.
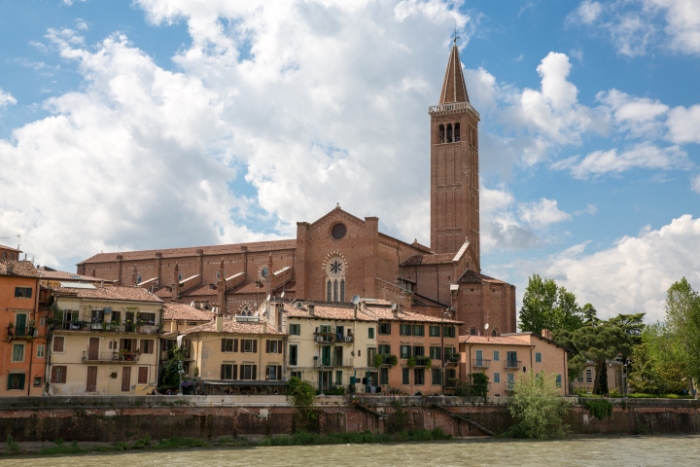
(355, 299)
(486, 326)
(393, 306)
(268, 297)
(282, 295)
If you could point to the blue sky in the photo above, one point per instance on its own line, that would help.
(161, 123)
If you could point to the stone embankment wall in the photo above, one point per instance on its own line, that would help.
(123, 418)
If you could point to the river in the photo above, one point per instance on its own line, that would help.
(616, 451)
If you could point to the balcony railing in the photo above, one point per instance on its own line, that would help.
(111, 356)
(20, 332)
(512, 364)
(329, 337)
(422, 361)
(106, 327)
(332, 362)
(453, 359)
(481, 363)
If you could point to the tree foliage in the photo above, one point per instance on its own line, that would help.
(537, 407)
(302, 395)
(659, 362)
(546, 306)
(683, 321)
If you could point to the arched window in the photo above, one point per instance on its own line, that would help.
(12, 256)
(449, 133)
(342, 290)
(4, 255)
(494, 333)
(335, 291)
(441, 133)
(329, 293)
(335, 280)
(472, 332)
(456, 132)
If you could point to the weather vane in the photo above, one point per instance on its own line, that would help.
(455, 35)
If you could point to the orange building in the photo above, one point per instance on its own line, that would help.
(24, 341)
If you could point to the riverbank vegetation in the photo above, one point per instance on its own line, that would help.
(537, 408)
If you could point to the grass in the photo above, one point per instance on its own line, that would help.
(297, 439)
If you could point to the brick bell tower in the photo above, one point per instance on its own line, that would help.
(454, 165)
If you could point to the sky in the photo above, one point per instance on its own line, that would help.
(146, 124)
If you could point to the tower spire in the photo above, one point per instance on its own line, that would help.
(454, 89)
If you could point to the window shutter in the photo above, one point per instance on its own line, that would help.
(134, 345)
(255, 370)
(279, 373)
(53, 374)
(235, 372)
(267, 345)
(223, 371)
(223, 348)
(235, 345)
(58, 344)
(279, 346)
(9, 382)
(255, 347)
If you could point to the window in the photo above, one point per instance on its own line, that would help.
(143, 375)
(329, 293)
(147, 346)
(116, 317)
(15, 381)
(496, 377)
(437, 376)
(338, 231)
(449, 351)
(434, 331)
(149, 319)
(335, 279)
(97, 316)
(370, 333)
(58, 374)
(273, 372)
(418, 330)
(538, 357)
(296, 374)
(18, 353)
(451, 375)
(23, 292)
(249, 345)
(42, 321)
(339, 378)
(436, 353)
(40, 351)
(273, 346)
(419, 376)
(580, 377)
(228, 371)
(479, 358)
(449, 331)
(295, 329)
(589, 376)
(558, 381)
(385, 329)
(512, 359)
(511, 380)
(496, 355)
(227, 345)
(418, 351)
(384, 375)
(37, 381)
(384, 349)
(405, 351)
(405, 329)
(249, 371)
(405, 376)
(293, 354)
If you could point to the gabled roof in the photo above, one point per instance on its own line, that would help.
(9, 248)
(473, 277)
(46, 272)
(421, 260)
(454, 89)
(211, 250)
(116, 293)
(231, 326)
(18, 268)
(184, 312)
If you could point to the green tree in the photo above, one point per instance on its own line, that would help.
(546, 306)
(683, 321)
(537, 408)
(659, 362)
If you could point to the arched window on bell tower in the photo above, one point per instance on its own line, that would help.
(449, 133)
(335, 280)
(456, 135)
(441, 133)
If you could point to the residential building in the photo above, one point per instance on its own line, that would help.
(9, 253)
(179, 317)
(585, 379)
(104, 340)
(50, 277)
(505, 358)
(23, 347)
(239, 355)
(341, 255)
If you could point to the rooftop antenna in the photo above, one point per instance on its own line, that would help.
(456, 37)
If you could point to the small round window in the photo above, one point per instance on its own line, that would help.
(218, 275)
(264, 272)
(338, 231)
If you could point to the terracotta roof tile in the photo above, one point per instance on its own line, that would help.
(499, 340)
(386, 314)
(192, 251)
(48, 273)
(184, 312)
(231, 326)
(18, 268)
(9, 248)
(251, 287)
(420, 260)
(131, 294)
(346, 313)
(200, 290)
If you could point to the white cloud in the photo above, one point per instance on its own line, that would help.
(640, 116)
(643, 155)
(634, 274)
(695, 183)
(500, 228)
(682, 23)
(587, 12)
(684, 125)
(6, 98)
(542, 213)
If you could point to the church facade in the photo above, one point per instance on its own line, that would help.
(340, 255)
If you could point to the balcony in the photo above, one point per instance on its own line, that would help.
(331, 337)
(422, 361)
(333, 362)
(111, 357)
(453, 359)
(481, 363)
(510, 387)
(512, 364)
(21, 332)
(107, 327)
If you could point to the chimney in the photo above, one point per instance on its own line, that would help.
(264, 327)
(176, 284)
(219, 323)
(311, 308)
(173, 325)
(547, 334)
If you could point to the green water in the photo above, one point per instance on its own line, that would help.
(622, 451)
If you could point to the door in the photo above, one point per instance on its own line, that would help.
(91, 379)
(21, 325)
(326, 355)
(126, 379)
(479, 358)
(94, 349)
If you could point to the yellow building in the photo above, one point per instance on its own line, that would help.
(505, 358)
(242, 355)
(179, 317)
(103, 340)
(330, 343)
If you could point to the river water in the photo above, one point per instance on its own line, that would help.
(617, 451)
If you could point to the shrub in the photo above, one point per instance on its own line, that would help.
(537, 408)
(12, 445)
(600, 408)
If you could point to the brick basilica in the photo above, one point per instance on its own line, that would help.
(341, 255)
